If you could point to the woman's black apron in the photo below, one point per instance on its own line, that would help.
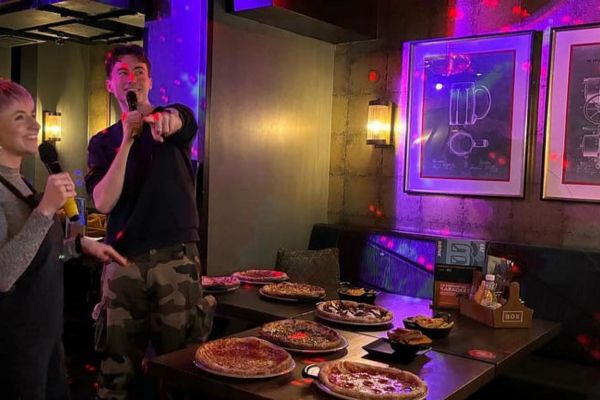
(31, 320)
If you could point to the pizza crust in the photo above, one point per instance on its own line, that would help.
(369, 382)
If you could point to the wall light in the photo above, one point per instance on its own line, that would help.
(52, 126)
(380, 123)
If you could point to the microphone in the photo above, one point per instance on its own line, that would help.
(132, 104)
(49, 157)
(131, 100)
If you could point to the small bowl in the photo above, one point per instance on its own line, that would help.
(433, 333)
(369, 295)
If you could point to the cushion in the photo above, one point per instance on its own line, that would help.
(310, 266)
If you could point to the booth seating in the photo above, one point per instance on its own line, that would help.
(561, 285)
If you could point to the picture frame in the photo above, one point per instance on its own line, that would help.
(471, 108)
(572, 130)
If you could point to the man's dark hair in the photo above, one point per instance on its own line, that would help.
(115, 54)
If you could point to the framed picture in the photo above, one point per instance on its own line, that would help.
(572, 140)
(469, 106)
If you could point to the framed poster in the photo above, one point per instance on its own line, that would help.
(469, 114)
(572, 140)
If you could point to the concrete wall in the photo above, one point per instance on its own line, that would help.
(5, 63)
(366, 184)
(268, 146)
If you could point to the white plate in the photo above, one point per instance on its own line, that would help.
(341, 347)
(290, 299)
(205, 368)
(341, 396)
(230, 289)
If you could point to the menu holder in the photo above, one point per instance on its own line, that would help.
(513, 314)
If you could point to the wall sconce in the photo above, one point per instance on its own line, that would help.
(52, 126)
(380, 123)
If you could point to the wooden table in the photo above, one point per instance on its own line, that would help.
(246, 303)
(449, 370)
(448, 376)
(508, 345)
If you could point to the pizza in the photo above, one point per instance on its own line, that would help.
(363, 381)
(301, 335)
(220, 283)
(244, 357)
(289, 290)
(261, 276)
(353, 312)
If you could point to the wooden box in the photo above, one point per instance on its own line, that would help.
(513, 314)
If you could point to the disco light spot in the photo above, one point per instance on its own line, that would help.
(584, 340)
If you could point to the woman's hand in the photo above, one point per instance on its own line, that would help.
(59, 187)
(102, 251)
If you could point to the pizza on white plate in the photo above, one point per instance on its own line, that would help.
(301, 335)
(353, 312)
(370, 382)
(244, 357)
(293, 291)
(220, 283)
(261, 275)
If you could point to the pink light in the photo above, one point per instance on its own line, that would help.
(554, 156)
(565, 18)
(429, 267)
(390, 244)
(502, 161)
(490, 3)
(421, 260)
(445, 231)
(492, 155)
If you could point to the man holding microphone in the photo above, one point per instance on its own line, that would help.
(140, 174)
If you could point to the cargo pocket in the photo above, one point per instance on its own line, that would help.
(100, 331)
(200, 322)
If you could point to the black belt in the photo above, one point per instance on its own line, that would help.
(175, 251)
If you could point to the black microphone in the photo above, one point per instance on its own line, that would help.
(49, 157)
(132, 104)
(131, 100)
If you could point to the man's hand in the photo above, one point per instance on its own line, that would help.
(164, 123)
(132, 125)
(102, 251)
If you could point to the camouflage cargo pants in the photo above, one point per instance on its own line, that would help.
(157, 298)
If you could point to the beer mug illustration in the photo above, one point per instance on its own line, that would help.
(462, 143)
(464, 100)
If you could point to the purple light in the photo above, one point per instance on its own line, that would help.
(241, 5)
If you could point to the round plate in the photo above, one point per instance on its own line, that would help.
(273, 279)
(216, 291)
(341, 396)
(290, 299)
(337, 321)
(341, 347)
(205, 368)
